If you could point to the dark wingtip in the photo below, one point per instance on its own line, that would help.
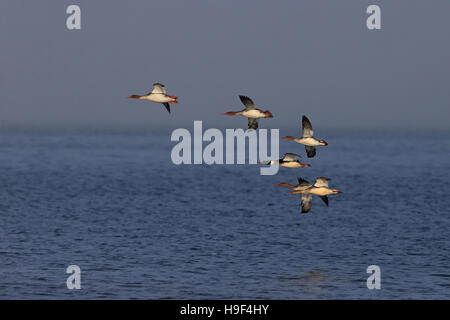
(167, 106)
(305, 119)
(244, 98)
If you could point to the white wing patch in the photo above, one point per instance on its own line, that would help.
(307, 131)
(321, 182)
(159, 88)
(290, 157)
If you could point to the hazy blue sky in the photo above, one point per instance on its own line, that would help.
(292, 57)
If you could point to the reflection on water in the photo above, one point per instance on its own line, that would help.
(311, 284)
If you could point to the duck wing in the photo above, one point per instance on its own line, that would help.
(308, 131)
(167, 106)
(310, 151)
(303, 182)
(321, 182)
(252, 123)
(325, 199)
(248, 103)
(306, 202)
(158, 88)
(290, 157)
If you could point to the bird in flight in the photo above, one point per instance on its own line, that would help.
(251, 112)
(307, 138)
(289, 160)
(320, 189)
(157, 95)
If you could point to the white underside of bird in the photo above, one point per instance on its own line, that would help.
(157, 97)
(253, 113)
(311, 142)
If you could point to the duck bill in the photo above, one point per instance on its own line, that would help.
(305, 165)
(134, 96)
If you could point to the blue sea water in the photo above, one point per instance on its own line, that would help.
(140, 227)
